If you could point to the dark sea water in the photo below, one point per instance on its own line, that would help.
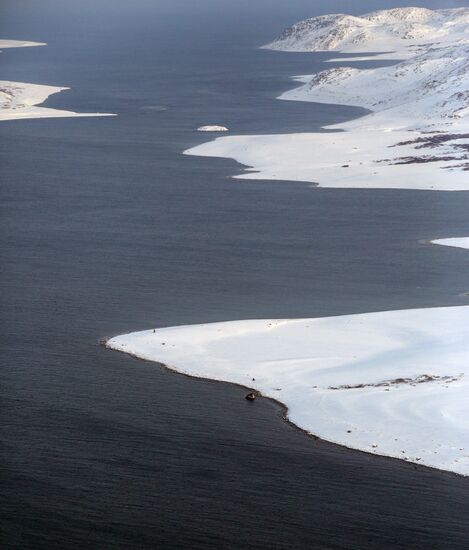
(106, 228)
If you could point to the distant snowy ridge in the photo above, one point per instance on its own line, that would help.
(380, 31)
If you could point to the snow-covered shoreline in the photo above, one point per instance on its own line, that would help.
(22, 100)
(336, 160)
(390, 383)
(417, 135)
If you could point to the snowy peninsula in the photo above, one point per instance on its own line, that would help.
(21, 100)
(391, 383)
(417, 135)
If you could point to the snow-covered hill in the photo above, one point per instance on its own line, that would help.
(428, 94)
(426, 91)
(380, 31)
(417, 135)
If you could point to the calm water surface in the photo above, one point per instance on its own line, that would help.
(107, 228)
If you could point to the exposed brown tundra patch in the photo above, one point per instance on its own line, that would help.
(421, 379)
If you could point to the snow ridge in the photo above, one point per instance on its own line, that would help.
(384, 30)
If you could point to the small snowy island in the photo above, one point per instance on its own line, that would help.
(212, 129)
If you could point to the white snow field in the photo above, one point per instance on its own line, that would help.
(21, 100)
(391, 383)
(417, 135)
(457, 242)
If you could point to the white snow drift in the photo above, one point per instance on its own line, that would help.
(21, 100)
(391, 383)
(417, 136)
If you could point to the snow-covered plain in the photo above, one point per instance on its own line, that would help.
(21, 100)
(417, 135)
(391, 383)
(457, 242)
